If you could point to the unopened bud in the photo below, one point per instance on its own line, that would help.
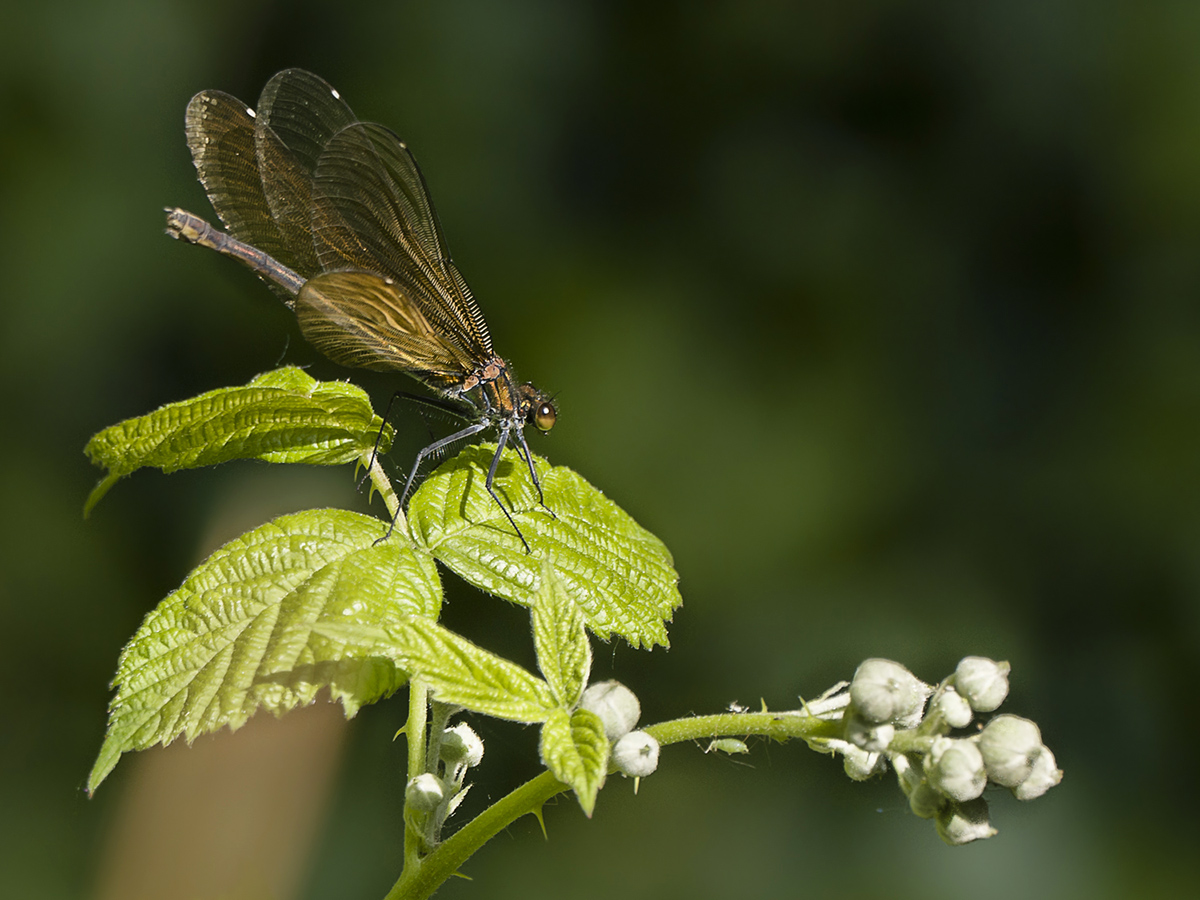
(616, 705)
(424, 793)
(885, 691)
(1010, 746)
(961, 823)
(952, 707)
(869, 736)
(462, 746)
(955, 768)
(1044, 775)
(982, 681)
(860, 764)
(635, 754)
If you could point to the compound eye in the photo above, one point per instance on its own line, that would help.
(544, 416)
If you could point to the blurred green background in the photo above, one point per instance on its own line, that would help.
(884, 316)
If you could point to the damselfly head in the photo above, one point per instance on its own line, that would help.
(539, 409)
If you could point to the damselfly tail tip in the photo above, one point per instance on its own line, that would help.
(182, 225)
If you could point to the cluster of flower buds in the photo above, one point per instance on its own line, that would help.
(890, 716)
(634, 753)
(430, 798)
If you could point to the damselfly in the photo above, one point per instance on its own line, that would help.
(334, 214)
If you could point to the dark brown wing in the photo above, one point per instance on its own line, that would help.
(308, 184)
(363, 320)
(371, 210)
(220, 134)
(298, 114)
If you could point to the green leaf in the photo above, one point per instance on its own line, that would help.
(284, 416)
(575, 750)
(461, 673)
(560, 638)
(293, 606)
(621, 576)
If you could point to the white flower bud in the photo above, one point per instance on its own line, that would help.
(616, 705)
(961, 823)
(955, 767)
(952, 707)
(424, 793)
(880, 738)
(885, 691)
(867, 735)
(1045, 775)
(860, 764)
(982, 681)
(462, 746)
(635, 754)
(1010, 746)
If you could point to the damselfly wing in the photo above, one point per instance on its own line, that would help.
(334, 214)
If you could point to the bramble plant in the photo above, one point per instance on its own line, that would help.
(329, 599)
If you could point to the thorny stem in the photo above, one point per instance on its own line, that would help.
(420, 881)
(779, 726)
(418, 694)
(381, 483)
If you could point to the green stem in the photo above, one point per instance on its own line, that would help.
(414, 730)
(381, 483)
(420, 881)
(441, 716)
(780, 726)
(911, 742)
(442, 863)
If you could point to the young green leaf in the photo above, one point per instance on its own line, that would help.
(575, 750)
(284, 416)
(464, 674)
(560, 638)
(620, 575)
(293, 606)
